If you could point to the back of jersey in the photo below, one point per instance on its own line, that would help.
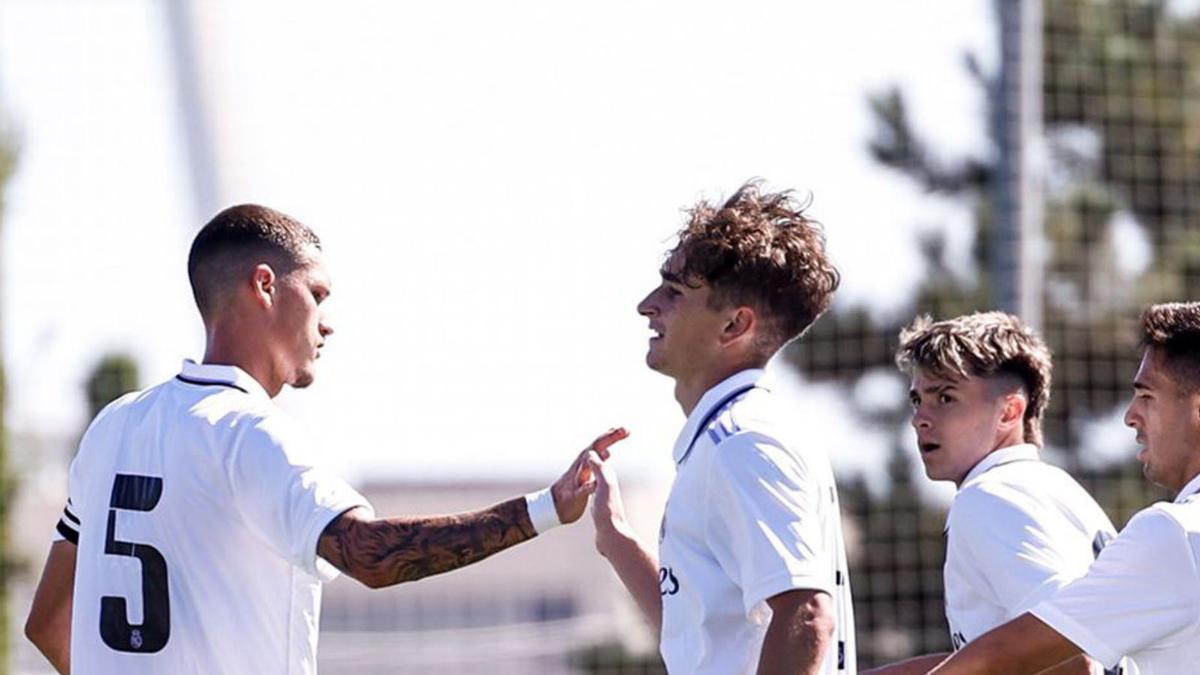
(198, 518)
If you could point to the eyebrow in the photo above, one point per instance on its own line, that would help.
(670, 276)
(1141, 386)
(932, 389)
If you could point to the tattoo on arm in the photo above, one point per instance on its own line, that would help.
(386, 551)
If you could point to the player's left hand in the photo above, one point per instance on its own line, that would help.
(572, 489)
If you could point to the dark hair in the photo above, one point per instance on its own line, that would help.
(759, 249)
(1173, 330)
(247, 234)
(984, 344)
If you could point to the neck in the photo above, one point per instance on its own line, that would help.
(223, 348)
(689, 390)
(1009, 439)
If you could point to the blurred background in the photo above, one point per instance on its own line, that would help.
(495, 184)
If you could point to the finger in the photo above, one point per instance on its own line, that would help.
(587, 467)
(607, 439)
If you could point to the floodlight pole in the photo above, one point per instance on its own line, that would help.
(194, 103)
(1018, 241)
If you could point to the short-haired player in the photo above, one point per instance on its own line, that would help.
(1142, 595)
(750, 572)
(1018, 528)
(197, 532)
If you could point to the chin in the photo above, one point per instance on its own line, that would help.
(303, 379)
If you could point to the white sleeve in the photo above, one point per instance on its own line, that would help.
(1143, 589)
(1004, 535)
(763, 519)
(284, 499)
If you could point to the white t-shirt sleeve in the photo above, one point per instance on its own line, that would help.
(1001, 535)
(1143, 589)
(763, 522)
(284, 499)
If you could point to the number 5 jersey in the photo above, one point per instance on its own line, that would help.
(196, 510)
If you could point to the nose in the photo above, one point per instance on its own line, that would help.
(325, 329)
(1131, 417)
(647, 307)
(920, 421)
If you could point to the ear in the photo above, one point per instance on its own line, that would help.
(742, 323)
(263, 283)
(1013, 412)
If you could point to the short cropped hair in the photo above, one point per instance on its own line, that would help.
(1173, 331)
(238, 237)
(984, 344)
(760, 249)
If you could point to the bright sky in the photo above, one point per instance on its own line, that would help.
(494, 182)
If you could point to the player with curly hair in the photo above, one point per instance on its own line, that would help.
(750, 571)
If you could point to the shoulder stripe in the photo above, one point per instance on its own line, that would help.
(210, 383)
(67, 533)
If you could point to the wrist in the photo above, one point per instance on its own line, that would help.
(543, 512)
(613, 535)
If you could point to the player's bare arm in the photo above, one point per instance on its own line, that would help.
(49, 624)
(616, 540)
(1022, 646)
(799, 635)
(385, 551)
(918, 665)
(1080, 665)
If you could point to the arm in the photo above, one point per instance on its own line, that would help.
(384, 551)
(634, 564)
(799, 635)
(915, 666)
(1080, 665)
(49, 624)
(1022, 646)
(381, 552)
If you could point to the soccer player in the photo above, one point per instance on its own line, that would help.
(197, 532)
(750, 571)
(1018, 528)
(1142, 595)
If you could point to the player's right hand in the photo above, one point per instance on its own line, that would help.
(578, 482)
(608, 511)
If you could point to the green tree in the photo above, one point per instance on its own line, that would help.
(1121, 84)
(114, 375)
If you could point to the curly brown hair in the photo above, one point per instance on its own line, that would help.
(1173, 330)
(759, 249)
(984, 344)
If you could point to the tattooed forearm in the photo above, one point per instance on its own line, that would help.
(385, 551)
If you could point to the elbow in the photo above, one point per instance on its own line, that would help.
(37, 631)
(822, 626)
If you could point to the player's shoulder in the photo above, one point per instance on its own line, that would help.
(753, 435)
(1166, 519)
(992, 500)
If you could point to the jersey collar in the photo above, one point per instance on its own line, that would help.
(1014, 453)
(1188, 490)
(221, 375)
(754, 377)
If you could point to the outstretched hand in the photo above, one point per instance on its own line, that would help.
(572, 489)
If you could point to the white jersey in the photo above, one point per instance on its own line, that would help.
(1142, 596)
(1018, 530)
(751, 514)
(196, 512)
